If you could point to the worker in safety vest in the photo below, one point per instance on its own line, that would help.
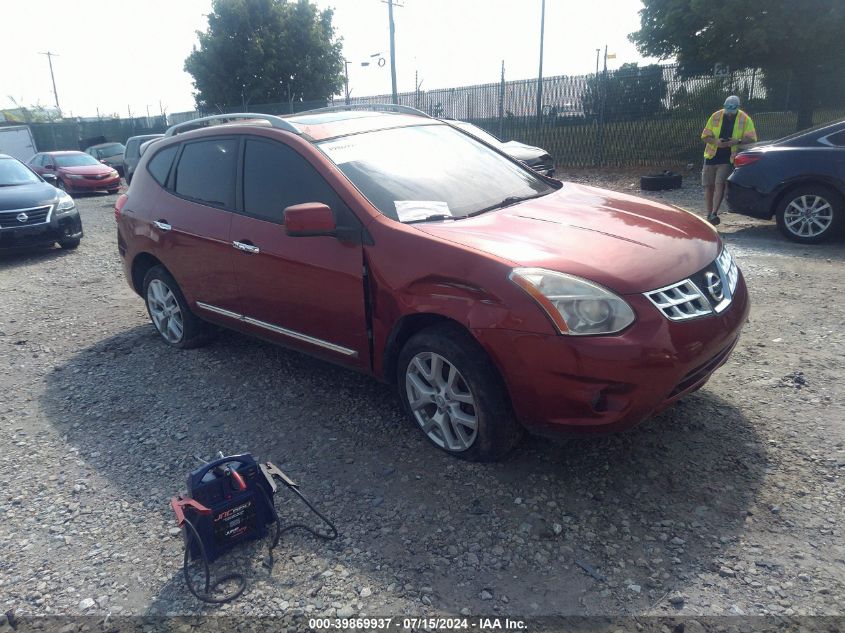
(725, 134)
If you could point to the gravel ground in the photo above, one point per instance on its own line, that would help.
(729, 503)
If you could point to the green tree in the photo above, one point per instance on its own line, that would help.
(263, 51)
(802, 39)
(629, 93)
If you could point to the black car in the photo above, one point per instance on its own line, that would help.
(536, 158)
(799, 180)
(132, 153)
(32, 211)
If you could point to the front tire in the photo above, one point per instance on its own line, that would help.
(451, 391)
(169, 311)
(810, 214)
(69, 244)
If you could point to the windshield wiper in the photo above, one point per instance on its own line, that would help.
(507, 202)
(431, 218)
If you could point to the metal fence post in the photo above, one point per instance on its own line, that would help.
(502, 102)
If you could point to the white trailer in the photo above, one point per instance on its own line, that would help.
(17, 141)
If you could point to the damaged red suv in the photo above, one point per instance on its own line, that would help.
(495, 299)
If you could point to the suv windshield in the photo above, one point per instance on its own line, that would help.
(75, 160)
(13, 172)
(430, 172)
(110, 150)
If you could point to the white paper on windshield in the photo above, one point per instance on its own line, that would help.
(410, 210)
(341, 151)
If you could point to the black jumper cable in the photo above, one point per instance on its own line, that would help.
(231, 500)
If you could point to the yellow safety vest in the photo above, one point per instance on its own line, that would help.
(743, 131)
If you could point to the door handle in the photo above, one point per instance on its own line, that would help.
(246, 247)
(162, 225)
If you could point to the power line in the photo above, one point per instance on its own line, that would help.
(50, 57)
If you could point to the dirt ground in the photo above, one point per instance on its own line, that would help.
(730, 503)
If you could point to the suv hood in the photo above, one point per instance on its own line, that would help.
(625, 243)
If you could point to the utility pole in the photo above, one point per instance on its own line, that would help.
(50, 57)
(346, 72)
(393, 48)
(598, 51)
(540, 73)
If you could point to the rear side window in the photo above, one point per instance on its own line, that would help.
(276, 177)
(837, 140)
(206, 172)
(132, 148)
(159, 165)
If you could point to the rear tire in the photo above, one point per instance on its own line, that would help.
(811, 214)
(169, 311)
(450, 390)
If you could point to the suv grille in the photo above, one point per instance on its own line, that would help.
(706, 292)
(12, 219)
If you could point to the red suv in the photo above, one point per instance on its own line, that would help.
(495, 299)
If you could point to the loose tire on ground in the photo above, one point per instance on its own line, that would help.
(661, 182)
(164, 299)
(496, 428)
(811, 214)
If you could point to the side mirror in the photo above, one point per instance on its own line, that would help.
(309, 220)
(50, 167)
(103, 161)
(51, 178)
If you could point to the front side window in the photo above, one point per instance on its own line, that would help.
(429, 172)
(206, 172)
(275, 177)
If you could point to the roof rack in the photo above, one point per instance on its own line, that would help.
(387, 107)
(220, 119)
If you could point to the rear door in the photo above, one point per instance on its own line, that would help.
(305, 292)
(192, 218)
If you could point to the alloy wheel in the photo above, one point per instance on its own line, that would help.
(808, 216)
(441, 401)
(165, 311)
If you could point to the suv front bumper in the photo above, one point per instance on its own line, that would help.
(563, 384)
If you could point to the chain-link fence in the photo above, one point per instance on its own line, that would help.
(649, 115)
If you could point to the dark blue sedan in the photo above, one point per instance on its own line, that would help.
(799, 180)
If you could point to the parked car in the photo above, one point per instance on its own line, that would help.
(132, 153)
(536, 158)
(799, 180)
(32, 211)
(110, 154)
(495, 300)
(76, 171)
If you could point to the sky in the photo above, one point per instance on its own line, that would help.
(127, 56)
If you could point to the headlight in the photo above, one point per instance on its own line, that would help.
(66, 203)
(75, 176)
(113, 173)
(575, 305)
